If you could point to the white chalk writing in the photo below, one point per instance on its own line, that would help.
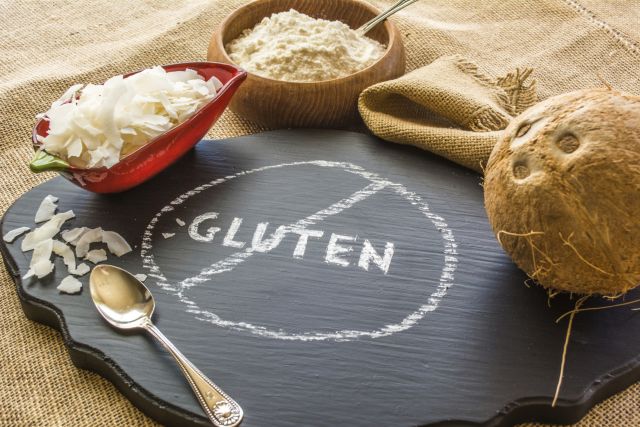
(334, 250)
(369, 254)
(233, 229)
(211, 232)
(336, 253)
(430, 303)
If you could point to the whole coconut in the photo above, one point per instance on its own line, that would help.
(562, 192)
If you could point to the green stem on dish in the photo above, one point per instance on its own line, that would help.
(44, 162)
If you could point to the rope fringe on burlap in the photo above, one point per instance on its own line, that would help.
(516, 96)
(521, 94)
(453, 90)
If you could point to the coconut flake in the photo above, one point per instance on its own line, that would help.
(46, 230)
(217, 84)
(69, 94)
(93, 235)
(66, 253)
(96, 255)
(47, 209)
(41, 241)
(43, 268)
(73, 235)
(70, 285)
(140, 276)
(168, 235)
(40, 269)
(116, 243)
(80, 270)
(180, 222)
(13, 234)
(42, 251)
(40, 264)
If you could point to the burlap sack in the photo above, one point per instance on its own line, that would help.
(448, 107)
(48, 45)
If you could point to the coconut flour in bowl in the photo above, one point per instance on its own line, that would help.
(292, 46)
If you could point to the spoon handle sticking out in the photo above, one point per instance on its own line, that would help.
(368, 26)
(222, 410)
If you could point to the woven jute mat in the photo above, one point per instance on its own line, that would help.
(48, 46)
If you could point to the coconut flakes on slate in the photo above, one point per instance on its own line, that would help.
(92, 235)
(80, 270)
(46, 230)
(96, 255)
(66, 253)
(73, 235)
(41, 241)
(180, 222)
(70, 285)
(39, 269)
(47, 209)
(168, 235)
(116, 243)
(15, 233)
(40, 264)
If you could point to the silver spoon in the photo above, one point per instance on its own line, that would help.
(128, 304)
(368, 26)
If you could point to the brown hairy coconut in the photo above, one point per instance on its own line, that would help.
(562, 192)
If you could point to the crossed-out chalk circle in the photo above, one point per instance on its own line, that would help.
(227, 264)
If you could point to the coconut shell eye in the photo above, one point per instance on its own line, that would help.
(523, 129)
(568, 143)
(521, 170)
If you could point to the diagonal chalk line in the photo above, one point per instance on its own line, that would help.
(227, 264)
(237, 258)
(233, 260)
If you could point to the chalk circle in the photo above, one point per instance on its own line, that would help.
(378, 183)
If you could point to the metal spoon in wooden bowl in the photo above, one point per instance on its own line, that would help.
(368, 26)
(126, 303)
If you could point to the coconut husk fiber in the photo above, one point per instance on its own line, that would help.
(48, 46)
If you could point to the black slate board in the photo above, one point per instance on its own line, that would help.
(488, 353)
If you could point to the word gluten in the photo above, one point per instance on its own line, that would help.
(339, 250)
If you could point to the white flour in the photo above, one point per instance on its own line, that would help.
(293, 46)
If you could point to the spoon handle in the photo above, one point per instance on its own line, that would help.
(368, 26)
(222, 410)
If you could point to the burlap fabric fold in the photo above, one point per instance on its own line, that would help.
(448, 107)
(49, 45)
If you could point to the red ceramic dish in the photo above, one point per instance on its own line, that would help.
(153, 157)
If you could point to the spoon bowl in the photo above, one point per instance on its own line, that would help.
(123, 300)
(126, 303)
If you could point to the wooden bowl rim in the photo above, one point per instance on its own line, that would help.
(390, 28)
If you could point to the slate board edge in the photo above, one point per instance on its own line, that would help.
(536, 409)
(525, 409)
(89, 358)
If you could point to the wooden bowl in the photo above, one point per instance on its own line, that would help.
(328, 103)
